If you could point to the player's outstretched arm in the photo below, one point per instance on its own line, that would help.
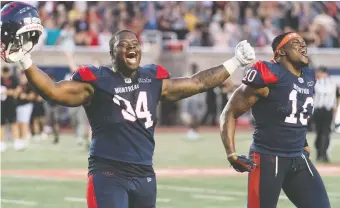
(179, 88)
(240, 102)
(66, 93)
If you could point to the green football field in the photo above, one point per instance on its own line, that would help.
(191, 174)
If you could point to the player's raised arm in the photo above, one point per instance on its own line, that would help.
(179, 88)
(67, 93)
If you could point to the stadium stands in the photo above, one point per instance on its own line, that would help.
(216, 24)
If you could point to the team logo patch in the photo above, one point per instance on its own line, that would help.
(31, 20)
(144, 80)
(300, 80)
(127, 80)
(310, 84)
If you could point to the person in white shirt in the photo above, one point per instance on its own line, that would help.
(325, 101)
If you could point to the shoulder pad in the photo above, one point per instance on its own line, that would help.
(85, 74)
(156, 71)
(260, 75)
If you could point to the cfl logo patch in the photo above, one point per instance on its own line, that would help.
(31, 20)
(149, 179)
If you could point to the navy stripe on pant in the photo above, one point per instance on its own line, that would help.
(297, 176)
(107, 190)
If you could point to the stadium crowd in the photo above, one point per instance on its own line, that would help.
(219, 24)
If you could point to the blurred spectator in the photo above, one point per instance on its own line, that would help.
(192, 110)
(211, 111)
(91, 36)
(9, 93)
(151, 16)
(228, 22)
(52, 32)
(66, 37)
(191, 19)
(24, 112)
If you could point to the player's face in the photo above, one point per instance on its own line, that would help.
(128, 51)
(297, 52)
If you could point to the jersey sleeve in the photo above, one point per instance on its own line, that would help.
(84, 74)
(259, 75)
(157, 72)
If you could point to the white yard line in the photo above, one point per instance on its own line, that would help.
(19, 202)
(213, 197)
(42, 178)
(164, 200)
(200, 190)
(75, 199)
(83, 200)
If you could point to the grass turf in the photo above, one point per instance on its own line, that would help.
(172, 151)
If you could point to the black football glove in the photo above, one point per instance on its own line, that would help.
(242, 164)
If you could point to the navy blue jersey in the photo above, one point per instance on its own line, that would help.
(122, 112)
(281, 118)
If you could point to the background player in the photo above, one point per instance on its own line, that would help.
(9, 93)
(280, 94)
(24, 111)
(120, 103)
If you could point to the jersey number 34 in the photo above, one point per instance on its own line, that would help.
(141, 111)
(292, 118)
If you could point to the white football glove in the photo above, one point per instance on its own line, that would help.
(21, 57)
(244, 55)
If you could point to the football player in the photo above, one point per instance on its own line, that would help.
(120, 103)
(280, 94)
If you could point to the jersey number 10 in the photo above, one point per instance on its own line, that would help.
(292, 117)
(141, 109)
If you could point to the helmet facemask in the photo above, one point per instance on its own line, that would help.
(20, 30)
(20, 45)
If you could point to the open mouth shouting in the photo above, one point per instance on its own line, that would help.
(303, 52)
(132, 57)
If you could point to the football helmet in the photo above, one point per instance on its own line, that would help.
(20, 30)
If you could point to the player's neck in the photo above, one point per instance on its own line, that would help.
(128, 73)
(290, 67)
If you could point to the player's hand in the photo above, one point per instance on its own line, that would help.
(244, 53)
(241, 163)
(21, 56)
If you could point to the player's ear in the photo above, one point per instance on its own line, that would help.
(113, 52)
(281, 52)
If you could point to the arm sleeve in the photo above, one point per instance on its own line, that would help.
(253, 78)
